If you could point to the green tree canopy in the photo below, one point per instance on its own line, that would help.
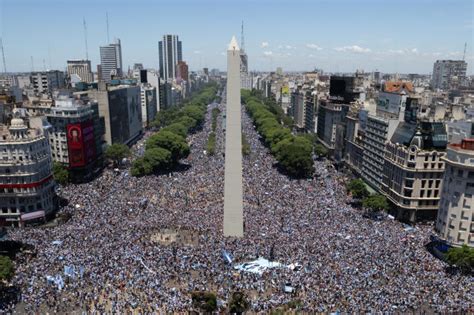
(6, 268)
(177, 128)
(60, 173)
(375, 203)
(116, 152)
(188, 122)
(194, 112)
(153, 160)
(462, 257)
(358, 189)
(294, 154)
(172, 142)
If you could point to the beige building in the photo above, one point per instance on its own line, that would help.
(455, 222)
(413, 170)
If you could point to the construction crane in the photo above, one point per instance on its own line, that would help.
(3, 56)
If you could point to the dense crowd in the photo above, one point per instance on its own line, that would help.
(349, 263)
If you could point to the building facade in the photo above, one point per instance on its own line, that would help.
(414, 168)
(81, 68)
(148, 101)
(77, 135)
(455, 221)
(47, 81)
(448, 74)
(27, 187)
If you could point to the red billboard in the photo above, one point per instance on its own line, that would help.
(81, 143)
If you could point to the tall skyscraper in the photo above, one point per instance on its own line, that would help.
(111, 61)
(81, 68)
(170, 53)
(233, 208)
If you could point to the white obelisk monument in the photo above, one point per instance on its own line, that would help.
(233, 209)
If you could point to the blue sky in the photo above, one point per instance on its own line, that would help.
(339, 35)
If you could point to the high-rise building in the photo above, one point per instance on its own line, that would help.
(148, 100)
(111, 61)
(456, 207)
(170, 53)
(81, 68)
(448, 74)
(26, 183)
(47, 81)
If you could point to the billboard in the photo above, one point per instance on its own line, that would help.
(81, 143)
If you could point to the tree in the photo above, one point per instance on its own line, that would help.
(172, 142)
(294, 155)
(177, 128)
(153, 160)
(6, 268)
(245, 146)
(194, 112)
(358, 189)
(204, 301)
(375, 203)
(462, 257)
(188, 122)
(117, 152)
(60, 173)
(211, 144)
(320, 150)
(238, 303)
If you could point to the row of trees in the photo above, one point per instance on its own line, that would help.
(164, 149)
(294, 153)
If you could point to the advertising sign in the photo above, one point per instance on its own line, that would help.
(81, 144)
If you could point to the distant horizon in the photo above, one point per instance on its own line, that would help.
(336, 36)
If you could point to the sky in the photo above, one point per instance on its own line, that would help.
(403, 36)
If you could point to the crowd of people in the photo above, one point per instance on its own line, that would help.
(348, 263)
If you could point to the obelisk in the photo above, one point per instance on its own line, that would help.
(233, 209)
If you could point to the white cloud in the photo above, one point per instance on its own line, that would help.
(313, 46)
(197, 52)
(264, 44)
(397, 51)
(289, 47)
(414, 50)
(268, 53)
(353, 48)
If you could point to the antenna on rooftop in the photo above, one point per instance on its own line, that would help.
(44, 65)
(85, 37)
(242, 40)
(32, 65)
(3, 57)
(464, 54)
(107, 20)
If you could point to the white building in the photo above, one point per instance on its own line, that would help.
(149, 100)
(448, 74)
(26, 180)
(82, 68)
(455, 222)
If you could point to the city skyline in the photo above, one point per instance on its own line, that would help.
(339, 36)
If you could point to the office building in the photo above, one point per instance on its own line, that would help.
(413, 169)
(77, 135)
(26, 179)
(170, 53)
(120, 106)
(455, 221)
(81, 68)
(148, 101)
(111, 61)
(448, 74)
(47, 81)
